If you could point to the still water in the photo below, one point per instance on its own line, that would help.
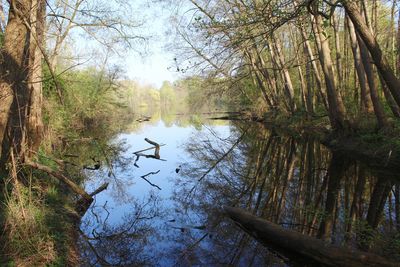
(168, 211)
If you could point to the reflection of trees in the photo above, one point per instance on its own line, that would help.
(106, 238)
(124, 244)
(295, 183)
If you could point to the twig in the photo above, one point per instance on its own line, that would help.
(150, 173)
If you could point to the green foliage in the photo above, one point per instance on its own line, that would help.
(36, 226)
(167, 94)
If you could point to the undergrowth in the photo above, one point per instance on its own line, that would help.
(37, 227)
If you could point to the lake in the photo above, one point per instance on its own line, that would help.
(169, 211)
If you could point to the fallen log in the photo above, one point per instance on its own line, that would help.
(298, 244)
(73, 186)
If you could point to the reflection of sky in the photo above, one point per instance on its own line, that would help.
(173, 152)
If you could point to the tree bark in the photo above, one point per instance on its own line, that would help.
(35, 124)
(336, 107)
(289, 89)
(378, 109)
(366, 103)
(318, 79)
(21, 125)
(380, 60)
(289, 241)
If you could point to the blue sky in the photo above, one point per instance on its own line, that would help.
(158, 64)
(150, 64)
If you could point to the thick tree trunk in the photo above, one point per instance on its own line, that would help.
(20, 117)
(35, 123)
(13, 72)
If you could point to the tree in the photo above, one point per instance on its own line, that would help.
(21, 126)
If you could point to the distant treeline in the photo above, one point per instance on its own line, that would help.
(189, 95)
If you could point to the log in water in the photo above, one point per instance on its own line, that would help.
(295, 242)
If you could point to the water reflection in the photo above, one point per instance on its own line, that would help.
(294, 182)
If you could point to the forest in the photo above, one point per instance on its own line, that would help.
(310, 92)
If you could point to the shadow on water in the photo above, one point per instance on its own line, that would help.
(294, 182)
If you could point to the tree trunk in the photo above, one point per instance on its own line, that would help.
(255, 70)
(366, 104)
(35, 123)
(13, 72)
(336, 26)
(20, 116)
(378, 109)
(380, 60)
(336, 107)
(293, 243)
(289, 90)
(318, 79)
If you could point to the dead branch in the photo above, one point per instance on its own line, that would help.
(147, 149)
(100, 189)
(73, 186)
(156, 152)
(150, 183)
(157, 146)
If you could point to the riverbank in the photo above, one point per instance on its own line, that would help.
(377, 149)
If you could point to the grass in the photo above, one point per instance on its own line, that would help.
(37, 228)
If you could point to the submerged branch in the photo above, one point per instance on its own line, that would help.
(156, 152)
(100, 189)
(150, 183)
(156, 145)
